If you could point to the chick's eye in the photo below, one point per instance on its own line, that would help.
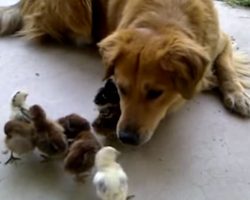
(104, 96)
(154, 94)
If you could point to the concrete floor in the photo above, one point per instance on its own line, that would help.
(200, 153)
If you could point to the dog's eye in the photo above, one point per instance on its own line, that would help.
(122, 90)
(154, 94)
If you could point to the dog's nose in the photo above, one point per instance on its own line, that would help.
(129, 138)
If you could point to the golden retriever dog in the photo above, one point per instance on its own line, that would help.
(159, 52)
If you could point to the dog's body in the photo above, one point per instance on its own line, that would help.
(43, 20)
(160, 52)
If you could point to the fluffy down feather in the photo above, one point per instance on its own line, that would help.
(81, 156)
(73, 124)
(51, 140)
(20, 138)
(19, 109)
(111, 181)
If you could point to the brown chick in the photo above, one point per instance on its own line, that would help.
(20, 138)
(73, 124)
(51, 140)
(81, 156)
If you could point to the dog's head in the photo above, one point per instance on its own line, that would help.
(153, 73)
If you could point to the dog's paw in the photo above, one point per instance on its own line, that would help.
(238, 102)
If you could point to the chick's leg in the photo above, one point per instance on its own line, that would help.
(12, 159)
(45, 158)
(80, 178)
(130, 197)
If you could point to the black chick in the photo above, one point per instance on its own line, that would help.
(108, 103)
(107, 95)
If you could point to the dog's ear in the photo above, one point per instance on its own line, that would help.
(109, 48)
(186, 62)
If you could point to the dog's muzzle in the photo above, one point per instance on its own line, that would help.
(129, 138)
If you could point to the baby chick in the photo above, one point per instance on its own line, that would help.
(73, 124)
(111, 181)
(106, 122)
(51, 140)
(107, 95)
(108, 103)
(20, 138)
(19, 109)
(81, 156)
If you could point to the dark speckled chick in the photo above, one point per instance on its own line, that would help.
(51, 140)
(73, 124)
(81, 156)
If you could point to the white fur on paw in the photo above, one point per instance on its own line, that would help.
(238, 102)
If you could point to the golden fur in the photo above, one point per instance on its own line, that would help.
(61, 20)
(160, 52)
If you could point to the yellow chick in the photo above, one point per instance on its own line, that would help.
(110, 180)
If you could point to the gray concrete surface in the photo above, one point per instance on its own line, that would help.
(199, 153)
